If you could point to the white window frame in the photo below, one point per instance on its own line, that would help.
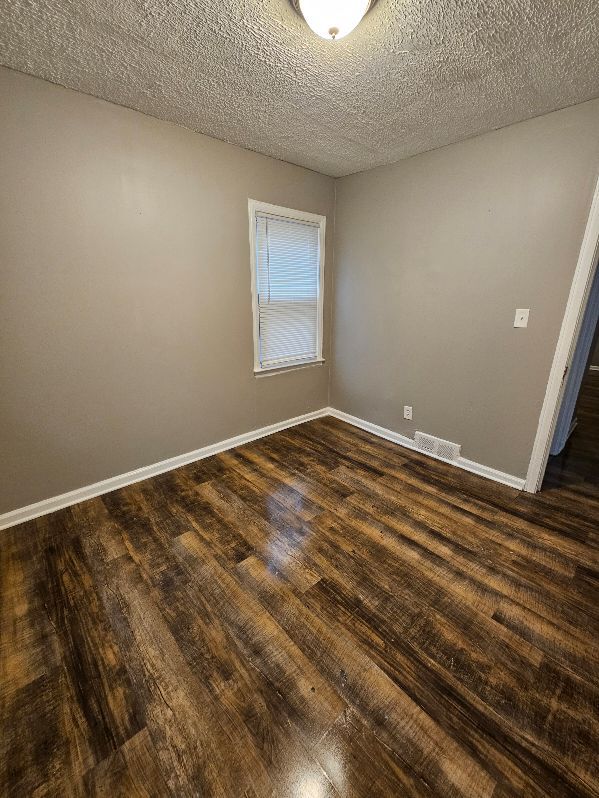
(254, 206)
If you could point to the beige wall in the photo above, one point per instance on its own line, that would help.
(125, 306)
(432, 257)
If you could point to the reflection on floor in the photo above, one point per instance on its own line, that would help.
(319, 613)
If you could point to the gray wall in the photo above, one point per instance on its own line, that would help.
(432, 257)
(125, 305)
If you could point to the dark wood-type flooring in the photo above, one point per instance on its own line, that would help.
(319, 613)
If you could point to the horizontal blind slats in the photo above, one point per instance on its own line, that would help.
(287, 284)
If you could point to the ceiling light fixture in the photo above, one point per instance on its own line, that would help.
(332, 19)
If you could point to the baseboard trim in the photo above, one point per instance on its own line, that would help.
(46, 506)
(402, 440)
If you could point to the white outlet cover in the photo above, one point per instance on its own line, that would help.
(407, 412)
(521, 318)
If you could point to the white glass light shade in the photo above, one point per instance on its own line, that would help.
(333, 19)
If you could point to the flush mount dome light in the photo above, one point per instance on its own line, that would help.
(332, 19)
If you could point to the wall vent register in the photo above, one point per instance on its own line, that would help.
(438, 447)
(287, 261)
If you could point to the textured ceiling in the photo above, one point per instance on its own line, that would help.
(415, 75)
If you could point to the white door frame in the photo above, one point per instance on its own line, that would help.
(566, 344)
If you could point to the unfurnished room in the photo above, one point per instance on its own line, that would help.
(299, 398)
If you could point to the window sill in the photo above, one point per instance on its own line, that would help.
(273, 370)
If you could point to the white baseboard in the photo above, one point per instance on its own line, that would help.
(106, 485)
(593, 368)
(408, 443)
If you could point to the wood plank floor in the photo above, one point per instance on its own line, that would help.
(319, 613)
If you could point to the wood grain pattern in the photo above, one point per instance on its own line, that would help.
(318, 613)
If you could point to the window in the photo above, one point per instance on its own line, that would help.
(287, 258)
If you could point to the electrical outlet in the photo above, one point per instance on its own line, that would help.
(407, 412)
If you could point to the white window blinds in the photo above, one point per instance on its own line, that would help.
(287, 304)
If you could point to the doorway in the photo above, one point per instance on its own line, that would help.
(564, 364)
(574, 452)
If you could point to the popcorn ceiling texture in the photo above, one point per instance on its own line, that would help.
(415, 75)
